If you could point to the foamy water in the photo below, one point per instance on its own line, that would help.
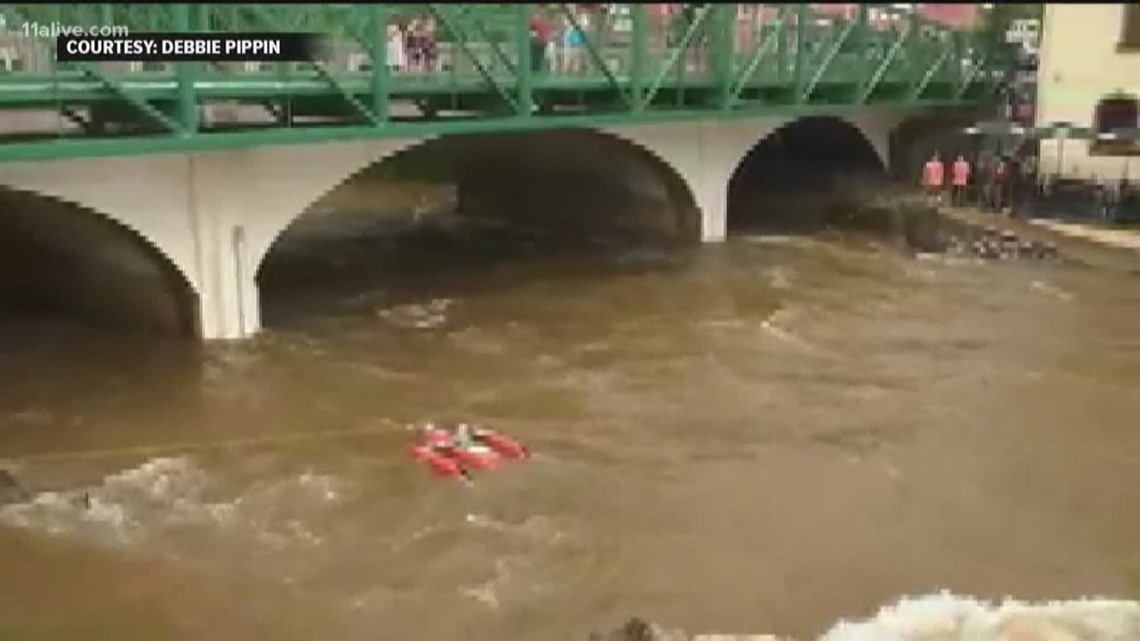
(148, 507)
(1051, 290)
(418, 316)
(134, 508)
(950, 617)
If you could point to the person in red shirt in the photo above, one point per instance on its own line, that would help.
(932, 178)
(540, 30)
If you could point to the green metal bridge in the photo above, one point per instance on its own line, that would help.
(485, 72)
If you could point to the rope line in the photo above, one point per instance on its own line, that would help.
(197, 446)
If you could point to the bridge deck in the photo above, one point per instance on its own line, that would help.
(634, 63)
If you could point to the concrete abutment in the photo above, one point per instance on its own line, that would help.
(214, 216)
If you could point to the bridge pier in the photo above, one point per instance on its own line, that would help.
(226, 279)
(704, 154)
(188, 208)
(239, 202)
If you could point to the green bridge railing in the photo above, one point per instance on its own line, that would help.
(483, 70)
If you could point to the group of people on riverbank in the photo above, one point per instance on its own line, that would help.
(1011, 184)
(996, 185)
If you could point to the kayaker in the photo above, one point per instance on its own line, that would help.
(463, 439)
(429, 435)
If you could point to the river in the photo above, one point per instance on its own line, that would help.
(766, 435)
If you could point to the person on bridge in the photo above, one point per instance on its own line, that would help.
(413, 45)
(960, 178)
(540, 37)
(428, 50)
(933, 173)
(574, 43)
(397, 59)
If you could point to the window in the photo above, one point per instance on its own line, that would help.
(1118, 111)
(1130, 27)
(1113, 113)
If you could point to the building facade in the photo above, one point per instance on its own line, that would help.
(1089, 75)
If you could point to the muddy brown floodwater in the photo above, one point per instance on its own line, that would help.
(764, 435)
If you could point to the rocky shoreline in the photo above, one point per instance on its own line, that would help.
(921, 228)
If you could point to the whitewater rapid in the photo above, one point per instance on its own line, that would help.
(132, 509)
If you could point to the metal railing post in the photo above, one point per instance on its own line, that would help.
(638, 56)
(721, 43)
(799, 72)
(185, 72)
(378, 45)
(526, 62)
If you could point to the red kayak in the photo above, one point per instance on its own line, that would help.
(505, 446)
(436, 460)
(437, 448)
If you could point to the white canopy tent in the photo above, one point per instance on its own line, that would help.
(1059, 131)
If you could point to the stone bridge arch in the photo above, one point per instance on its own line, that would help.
(131, 194)
(352, 163)
(287, 181)
(87, 262)
(707, 154)
(802, 170)
(212, 214)
(560, 181)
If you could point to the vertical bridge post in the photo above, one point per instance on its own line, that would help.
(185, 73)
(525, 65)
(637, 65)
(800, 69)
(378, 45)
(723, 46)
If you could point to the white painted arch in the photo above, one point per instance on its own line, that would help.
(356, 162)
(212, 215)
(119, 190)
(705, 154)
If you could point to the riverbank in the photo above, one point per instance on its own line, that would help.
(1111, 236)
(1090, 244)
